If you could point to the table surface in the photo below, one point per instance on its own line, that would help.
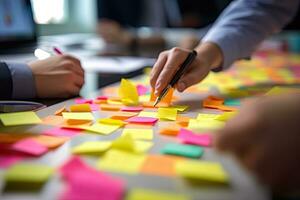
(242, 184)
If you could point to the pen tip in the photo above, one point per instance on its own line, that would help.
(156, 102)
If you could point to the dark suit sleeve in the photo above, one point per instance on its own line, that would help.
(5, 82)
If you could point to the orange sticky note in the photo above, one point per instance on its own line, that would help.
(227, 108)
(100, 101)
(172, 130)
(167, 99)
(110, 107)
(182, 120)
(60, 111)
(80, 108)
(123, 115)
(12, 137)
(160, 165)
(150, 104)
(53, 120)
(50, 141)
(140, 126)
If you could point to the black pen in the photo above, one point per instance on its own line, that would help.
(190, 58)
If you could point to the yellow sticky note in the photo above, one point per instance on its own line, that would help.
(142, 146)
(128, 93)
(127, 143)
(145, 194)
(207, 116)
(78, 116)
(20, 118)
(139, 134)
(202, 170)
(80, 108)
(180, 108)
(92, 147)
(226, 116)
(147, 114)
(121, 161)
(167, 113)
(101, 128)
(111, 121)
(205, 124)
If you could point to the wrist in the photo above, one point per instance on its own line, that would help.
(212, 54)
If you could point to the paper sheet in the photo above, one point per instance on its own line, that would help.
(20, 118)
(128, 93)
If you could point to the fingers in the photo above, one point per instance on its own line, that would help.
(160, 63)
(73, 64)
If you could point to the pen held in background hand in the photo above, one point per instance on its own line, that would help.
(190, 58)
(57, 51)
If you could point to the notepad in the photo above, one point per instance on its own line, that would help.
(190, 151)
(19, 118)
(128, 93)
(139, 134)
(92, 147)
(188, 137)
(78, 116)
(146, 194)
(121, 161)
(80, 108)
(167, 113)
(26, 173)
(202, 170)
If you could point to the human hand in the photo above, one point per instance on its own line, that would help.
(189, 42)
(265, 138)
(58, 76)
(112, 32)
(168, 62)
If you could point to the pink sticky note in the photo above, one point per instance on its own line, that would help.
(188, 137)
(29, 146)
(61, 132)
(142, 120)
(9, 160)
(102, 98)
(94, 107)
(82, 101)
(88, 183)
(141, 89)
(132, 109)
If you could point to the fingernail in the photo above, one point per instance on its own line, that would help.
(181, 86)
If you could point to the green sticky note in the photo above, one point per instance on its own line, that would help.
(145, 194)
(20, 118)
(183, 150)
(232, 102)
(28, 173)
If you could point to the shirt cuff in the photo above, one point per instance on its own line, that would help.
(227, 46)
(23, 81)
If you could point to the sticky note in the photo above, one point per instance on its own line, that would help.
(171, 130)
(182, 120)
(141, 89)
(13, 137)
(202, 170)
(132, 108)
(142, 146)
(61, 132)
(204, 125)
(60, 111)
(139, 134)
(121, 161)
(160, 165)
(142, 120)
(188, 137)
(92, 147)
(49, 141)
(88, 183)
(232, 102)
(111, 121)
(128, 93)
(110, 107)
(207, 116)
(150, 104)
(83, 101)
(29, 146)
(123, 115)
(78, 116)
(190, 151)
(226, 116)
(146, 194)
(167, 114)
(125, 143)
(9, 160)
(53, 120)
(180, 108)
(114, 102)
(28, 173)
(148, 114)
(167, 99)
(101, 128)
(19, 118)
(80, 108)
